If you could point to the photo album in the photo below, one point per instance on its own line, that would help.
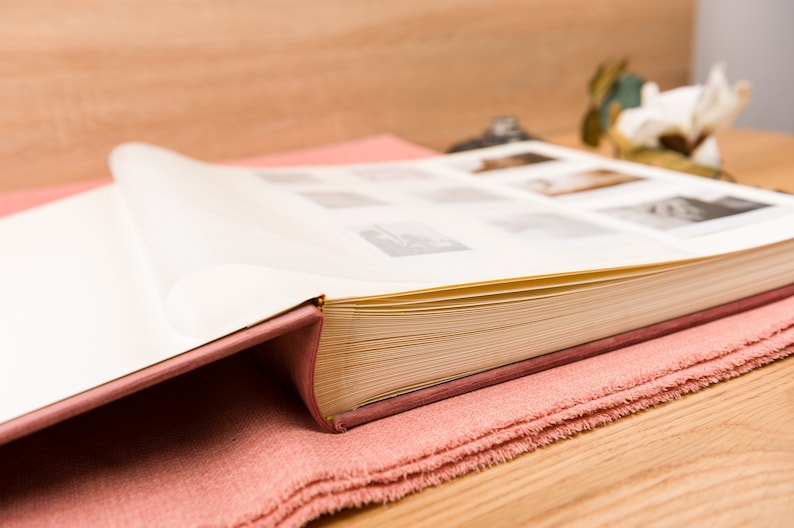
(368, 288)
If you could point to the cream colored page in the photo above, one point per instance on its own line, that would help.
(78, 308)
(228, 242)
(195, 216)
(226, 251)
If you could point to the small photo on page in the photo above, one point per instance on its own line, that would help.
(391, 173)
(496, 164)
(546, 226)
(404, 239)
(681, 211)
(292, 178)
(564, 184)
(452, 195)
(341, 199)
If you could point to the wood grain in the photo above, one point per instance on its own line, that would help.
(241, 77)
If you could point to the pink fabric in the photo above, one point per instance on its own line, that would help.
(18, 200)
(223, 446)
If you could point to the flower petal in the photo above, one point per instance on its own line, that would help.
(720, 104)
(677, 106)
(643, 126)
(707, 153)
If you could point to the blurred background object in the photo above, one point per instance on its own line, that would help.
(503, 129)
(755, 38)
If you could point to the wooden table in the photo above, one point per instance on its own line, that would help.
(723, 456)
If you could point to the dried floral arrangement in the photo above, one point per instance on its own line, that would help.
(674, 129)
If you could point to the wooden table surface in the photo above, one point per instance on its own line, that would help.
(723, 456)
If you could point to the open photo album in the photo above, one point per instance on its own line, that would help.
(408, 276)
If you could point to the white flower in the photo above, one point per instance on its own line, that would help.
(685, 119)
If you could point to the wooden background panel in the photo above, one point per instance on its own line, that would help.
(234, 78)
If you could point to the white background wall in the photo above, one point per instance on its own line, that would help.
(756, 40)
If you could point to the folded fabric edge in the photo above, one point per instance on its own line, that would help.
(329, 495)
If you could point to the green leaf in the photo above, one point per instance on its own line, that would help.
(626, 93)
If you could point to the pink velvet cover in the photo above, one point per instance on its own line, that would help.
(222, 446)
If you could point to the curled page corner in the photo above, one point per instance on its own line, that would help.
(218, 300)
(133, 154)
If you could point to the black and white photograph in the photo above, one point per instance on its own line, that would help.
(547, 226)
(459, 195)
(293, 178)
(405, 239)
(341, 199)
(680, 211)
(391, 173)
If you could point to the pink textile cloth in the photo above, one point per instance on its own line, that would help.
(19, 200)
(223, 446)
